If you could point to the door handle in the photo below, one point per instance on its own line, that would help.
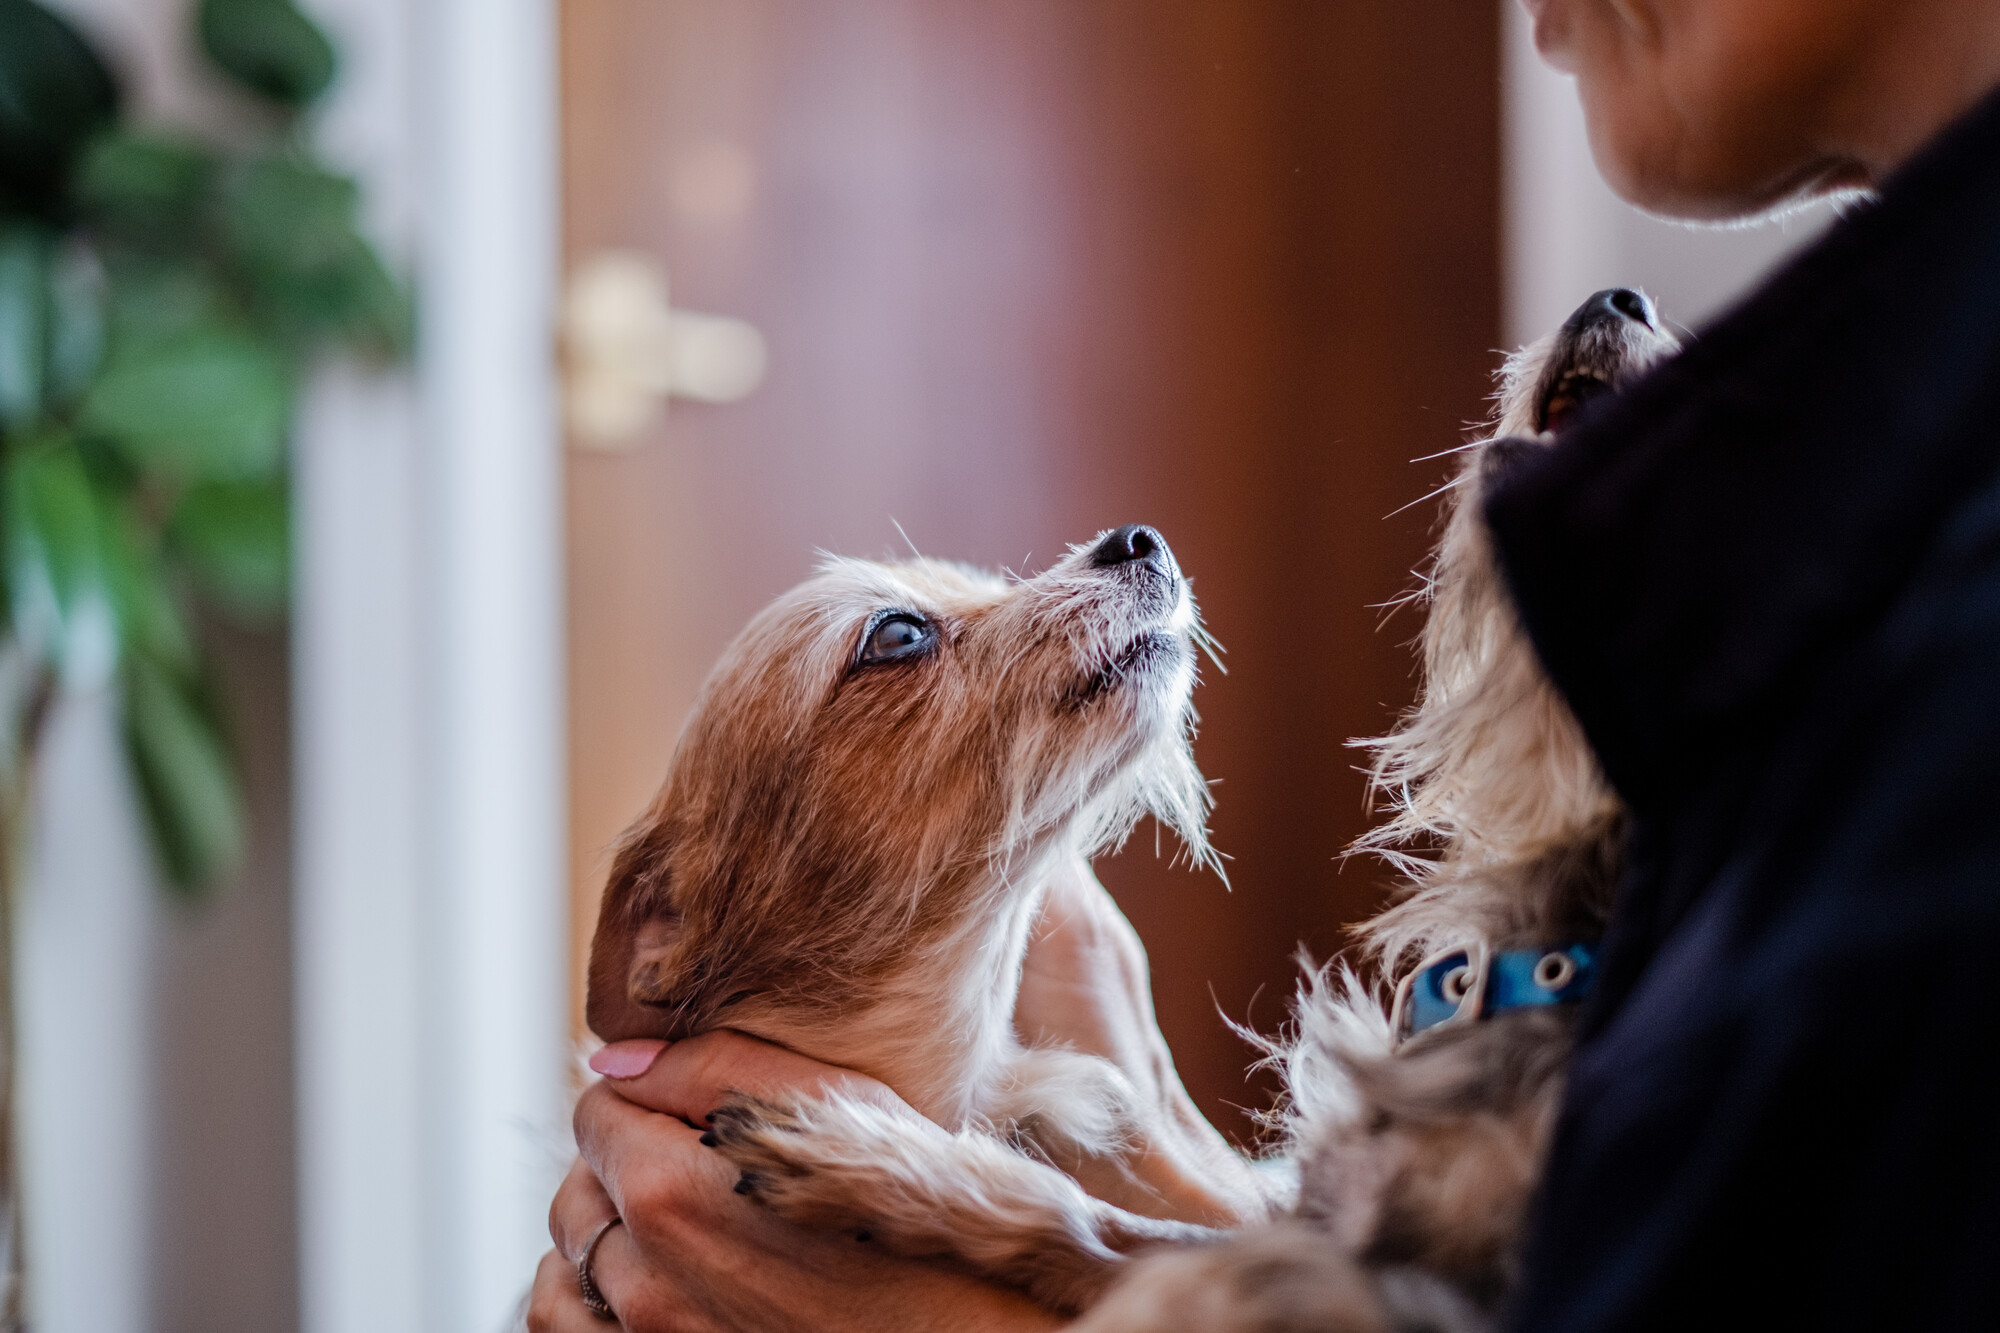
(627, 350)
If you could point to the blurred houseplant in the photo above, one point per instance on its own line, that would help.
(160, 298)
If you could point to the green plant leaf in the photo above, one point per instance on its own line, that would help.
(54, 94)
(24, 324)
(52, 525)
(269, 47)
(51, 323)
(291, 215)
(76, 323)
(208, 404)
(150, 623)
(148, 187)
(234, 538)
(61, 609)
(293, 229)
(374, 310)
(187, 776)
(152, 297)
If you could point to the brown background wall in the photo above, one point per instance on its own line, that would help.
(1028, 270)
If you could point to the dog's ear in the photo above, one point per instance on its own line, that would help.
(635, 948)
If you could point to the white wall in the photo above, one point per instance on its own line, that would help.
(90, 914)
(1567, 235)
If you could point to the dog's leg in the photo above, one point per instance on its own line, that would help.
(1289, 1276)
(1065, 1101)
(1282, 1278)
(1147, 1151)
(924, 1191)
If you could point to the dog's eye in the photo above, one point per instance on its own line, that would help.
(893, 637)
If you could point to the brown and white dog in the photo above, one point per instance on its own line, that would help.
(847, 857)
(1418, 1155)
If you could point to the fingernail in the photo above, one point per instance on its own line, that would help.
(708, 1140)
(626, 1059)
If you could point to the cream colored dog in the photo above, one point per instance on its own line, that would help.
(1418, 1153)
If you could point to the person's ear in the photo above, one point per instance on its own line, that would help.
(634, 953)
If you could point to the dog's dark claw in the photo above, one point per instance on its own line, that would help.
(746, 1184)
(709, 1140)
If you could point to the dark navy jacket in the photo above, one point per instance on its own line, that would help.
(1768, 579)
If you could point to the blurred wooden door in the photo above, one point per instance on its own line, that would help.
(1028, 269)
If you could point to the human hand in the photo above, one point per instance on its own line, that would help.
(1086, 985)
(692, 1254)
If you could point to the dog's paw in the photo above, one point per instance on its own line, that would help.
(922, 1191)
(786, 1161)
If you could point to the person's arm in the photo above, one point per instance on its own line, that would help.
(691, 1254)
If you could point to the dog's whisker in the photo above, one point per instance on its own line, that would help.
(1454, 450)
(1445, 489)
(914, 552)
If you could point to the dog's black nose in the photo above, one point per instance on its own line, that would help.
(1633, 305)
(1614, 305)
(1135, 543)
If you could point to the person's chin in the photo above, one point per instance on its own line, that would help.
(1731, 182)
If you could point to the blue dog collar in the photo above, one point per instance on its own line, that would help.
(1464, 985)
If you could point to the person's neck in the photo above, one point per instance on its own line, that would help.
(1931, 61)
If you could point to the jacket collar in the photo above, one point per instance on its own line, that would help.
(1697, 546)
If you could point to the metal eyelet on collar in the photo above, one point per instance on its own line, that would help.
(1554, 970)
(1447, 987)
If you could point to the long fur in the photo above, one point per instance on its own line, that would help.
(1417, 1160)
(848, 859)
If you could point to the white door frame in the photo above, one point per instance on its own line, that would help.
(431, 917)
